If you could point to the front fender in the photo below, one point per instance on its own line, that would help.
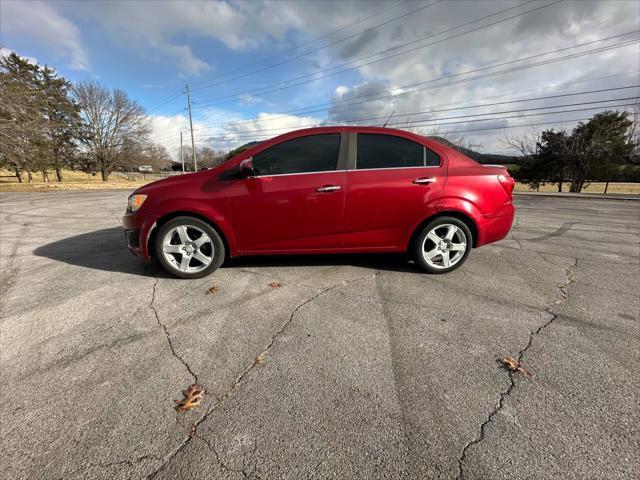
(215, 214)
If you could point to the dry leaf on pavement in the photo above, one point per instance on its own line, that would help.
(275, 284)
(212, 289)
(514, 365)
(260, 359)
(192, 398)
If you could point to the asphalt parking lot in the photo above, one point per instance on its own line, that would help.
(355, 367)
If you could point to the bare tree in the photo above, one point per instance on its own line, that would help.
(525, 145)
(456, 140)
(153, 155)
(111, 125)
(206, 157)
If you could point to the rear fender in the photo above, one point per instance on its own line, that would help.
(461, 205)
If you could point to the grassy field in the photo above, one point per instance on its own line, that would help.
(595, 187)
(72, 180)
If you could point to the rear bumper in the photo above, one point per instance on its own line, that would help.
(496, 227)
(137, 229)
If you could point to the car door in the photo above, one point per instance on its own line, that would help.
(295, 200)
(393, 183)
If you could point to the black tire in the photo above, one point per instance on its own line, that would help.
(193, 225)
(421, 241)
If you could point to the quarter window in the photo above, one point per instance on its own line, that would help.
(388, 151)
(313, 153)
(431, 158)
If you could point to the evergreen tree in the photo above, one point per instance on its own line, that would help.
(22, 125)
(62, 121)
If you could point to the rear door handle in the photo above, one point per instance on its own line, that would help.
(328, 188)
(424, 180)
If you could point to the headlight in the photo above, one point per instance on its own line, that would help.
(135, 202)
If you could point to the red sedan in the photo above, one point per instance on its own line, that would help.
(324, 190)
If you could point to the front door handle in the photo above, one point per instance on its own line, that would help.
(424, 180)
(328, 188)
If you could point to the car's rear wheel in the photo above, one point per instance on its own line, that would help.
(187, 247)
(443, 245)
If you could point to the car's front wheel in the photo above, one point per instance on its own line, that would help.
(443, 245)
(187, 247)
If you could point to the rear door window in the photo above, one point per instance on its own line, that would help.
(388, 151)
(313, 153)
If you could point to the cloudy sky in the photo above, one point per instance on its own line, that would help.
(256, 69)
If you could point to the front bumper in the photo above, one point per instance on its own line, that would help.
(137, 229)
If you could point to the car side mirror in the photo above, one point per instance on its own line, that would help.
(246, 168)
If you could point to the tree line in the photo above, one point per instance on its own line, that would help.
(48, 124)
(606, 148)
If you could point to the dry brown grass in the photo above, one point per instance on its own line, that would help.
(595, 187)
(72, 180)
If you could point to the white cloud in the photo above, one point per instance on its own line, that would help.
(236, 131)
(40, 22)
(187, 61)
(247, 99)
(165, 131)
(223, 130)
(152, 27)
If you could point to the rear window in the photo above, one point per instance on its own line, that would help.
(388, 151)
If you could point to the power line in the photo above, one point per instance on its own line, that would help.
(436, 122)
(403, 89)
(218, 101)
(433, 108)
(237, 77)
(256, 135)
(555, 122)
(481, 105)
(380, 12)
(164, 102)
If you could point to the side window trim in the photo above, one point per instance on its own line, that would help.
(343, 152)
(353, 155)
(340, 162)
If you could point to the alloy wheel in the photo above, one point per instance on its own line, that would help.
(444, 246)
(188, 248)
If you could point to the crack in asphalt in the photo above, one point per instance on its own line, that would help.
(564, 293)
(10, 272)
(127, 462)
(245, 471)
(258, 359)
(166, 332)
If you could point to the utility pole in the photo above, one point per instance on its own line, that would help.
(181, 154)
(193, 144)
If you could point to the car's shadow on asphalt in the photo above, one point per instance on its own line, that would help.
(104, 249)
(107, 250)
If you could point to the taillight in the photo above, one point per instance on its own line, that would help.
(507, 183)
